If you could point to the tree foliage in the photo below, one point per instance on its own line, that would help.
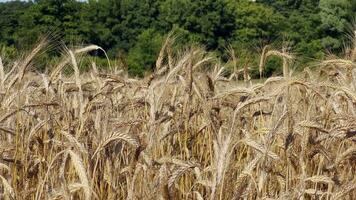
(130, 27)
(144, 53)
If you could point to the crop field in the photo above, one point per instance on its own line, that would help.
(186, 131)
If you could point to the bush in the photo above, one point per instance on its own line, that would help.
(273, 66)
(7, 52)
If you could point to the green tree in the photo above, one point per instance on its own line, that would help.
(115, 24)
(44, 17)
(210, 22)
(122, 27)
(9, 20)
(301, 26)
(256, 22)
(143, 55)
(335, 16)
(97, 19)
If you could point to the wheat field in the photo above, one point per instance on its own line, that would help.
(184, 132)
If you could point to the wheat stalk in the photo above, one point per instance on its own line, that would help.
(115, 136)
(80, 170)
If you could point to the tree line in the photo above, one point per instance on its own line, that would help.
(134, 30)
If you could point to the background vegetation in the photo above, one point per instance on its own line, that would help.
(132, 30)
